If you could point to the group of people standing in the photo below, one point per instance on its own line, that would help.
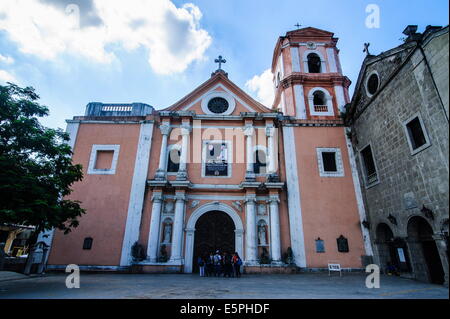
(220, 264)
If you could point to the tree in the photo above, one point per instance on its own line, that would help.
(36, 170)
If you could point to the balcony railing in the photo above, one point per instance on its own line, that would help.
(372, 178)
(320, 108)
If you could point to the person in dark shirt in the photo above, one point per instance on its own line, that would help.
(228, 267)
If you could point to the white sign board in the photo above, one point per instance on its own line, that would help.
(401, 255)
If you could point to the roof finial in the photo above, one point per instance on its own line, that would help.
(298, 25)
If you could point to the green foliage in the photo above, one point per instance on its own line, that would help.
(36, 170)
(288, 256)
(137, 252)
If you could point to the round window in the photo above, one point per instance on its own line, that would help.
(372, 84)
(218, 105)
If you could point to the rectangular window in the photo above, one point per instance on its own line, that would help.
(87, 243)
(329, 161)
(216, 159)
(416, 134)
(103, 159)
(369, 165)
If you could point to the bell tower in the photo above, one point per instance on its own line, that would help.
(322, 183)
(308, 79)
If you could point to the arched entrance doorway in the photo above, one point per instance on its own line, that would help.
(426, 257)
(214, 230)
(392, 250)
(191, 231)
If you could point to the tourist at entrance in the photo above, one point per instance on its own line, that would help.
(210, 265)
(237, 263)
(217, 264)
(227, 266)
(201, 265)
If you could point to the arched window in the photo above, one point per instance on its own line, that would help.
(319, 101)
(173, 162)
(260, 164)
(314, 63)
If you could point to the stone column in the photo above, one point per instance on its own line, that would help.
(177, 242)
(182, 172)
(270, 149)
(248, 132)
(161, 171)
(275, 242)
(153, 237)
(442, 249)
(250, 231)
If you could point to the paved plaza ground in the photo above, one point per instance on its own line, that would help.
(187, 286)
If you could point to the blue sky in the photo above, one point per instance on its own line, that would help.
(156, 52)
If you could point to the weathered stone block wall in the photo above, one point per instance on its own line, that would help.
(424, 174)
(436, 52)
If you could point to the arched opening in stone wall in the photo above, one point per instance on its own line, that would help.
(424, 252)
(392, 251)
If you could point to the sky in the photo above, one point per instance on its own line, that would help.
(113, 51)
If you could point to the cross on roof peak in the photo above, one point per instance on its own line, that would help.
(366, 48)
(220, 60)
(298, 25)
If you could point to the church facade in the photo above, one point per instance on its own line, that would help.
(218, 170)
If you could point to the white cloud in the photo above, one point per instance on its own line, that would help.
(6, 59)
(172, 36)
(262, 86)
(5, 76)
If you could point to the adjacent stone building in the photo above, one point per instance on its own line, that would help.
(398, 124)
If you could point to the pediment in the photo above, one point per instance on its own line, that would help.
(219, 87)
(310, 32)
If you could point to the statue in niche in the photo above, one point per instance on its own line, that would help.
(262, 234)
(167, 232)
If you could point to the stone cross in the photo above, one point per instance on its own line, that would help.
(220, 60)
(366, 48)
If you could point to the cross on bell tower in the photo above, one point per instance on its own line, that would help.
(220, 60)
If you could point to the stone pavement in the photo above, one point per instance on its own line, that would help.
(187, 286)
(11, 275)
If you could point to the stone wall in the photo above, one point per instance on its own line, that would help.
(406, 181)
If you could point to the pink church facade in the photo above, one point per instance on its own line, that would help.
(218, 170)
